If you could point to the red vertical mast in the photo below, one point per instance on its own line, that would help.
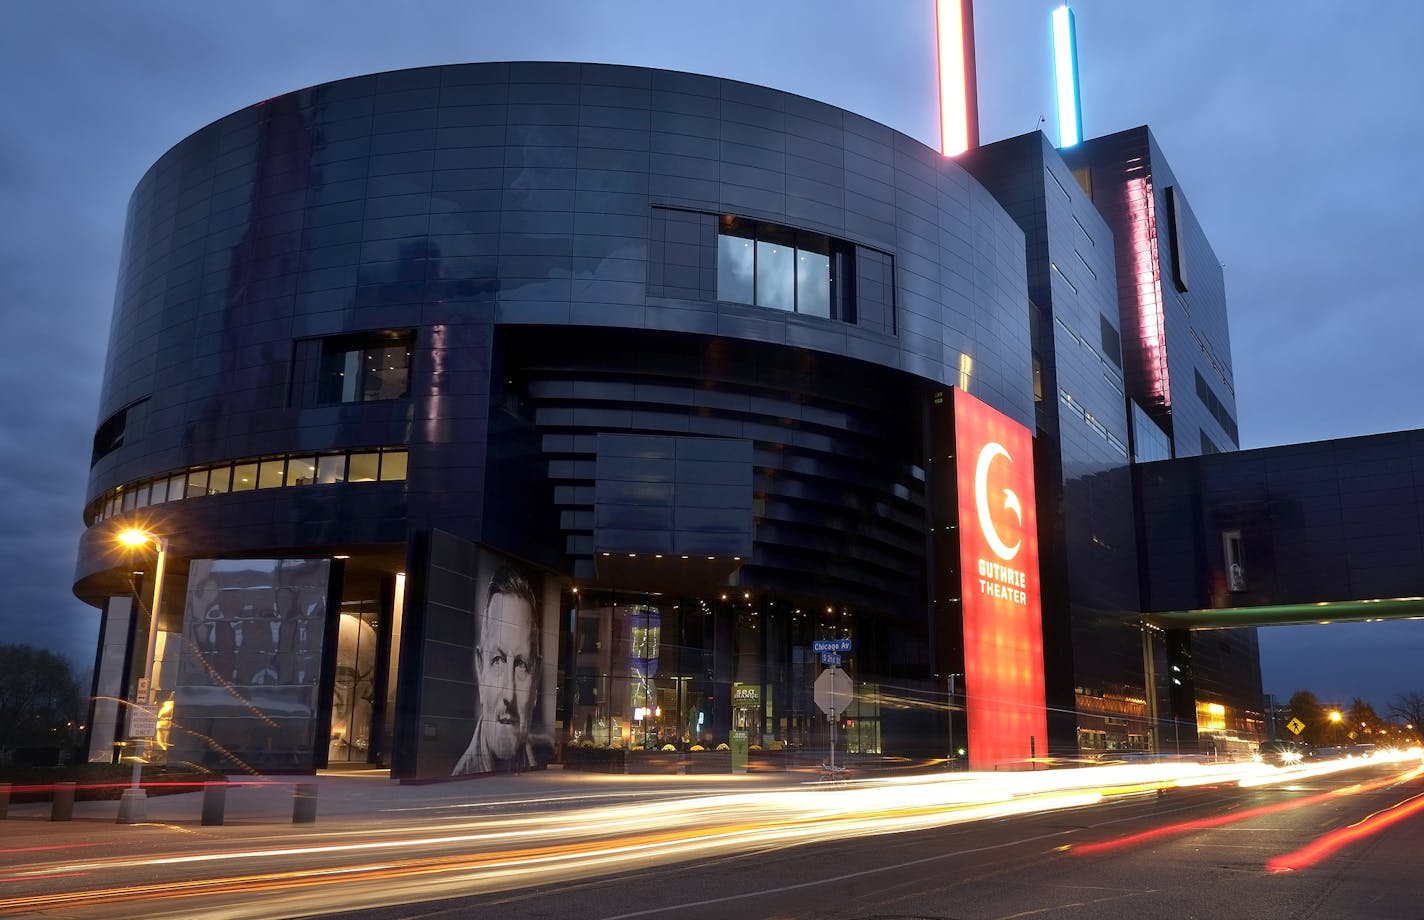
(958, 88)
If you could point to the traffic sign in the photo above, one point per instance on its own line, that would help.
(831, 645)
(831, 658)
(143, 722)
(833, 691)
(1296, 726)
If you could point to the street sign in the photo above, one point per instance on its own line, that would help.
(143, 722)
(833, 691)
(831, 658)
(831, 645)
(1296, 726)
(142, 695)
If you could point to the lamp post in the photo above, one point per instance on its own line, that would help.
(1336, 718)
(953, 754)
(133, 804)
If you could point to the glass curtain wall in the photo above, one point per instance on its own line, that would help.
(649, 671)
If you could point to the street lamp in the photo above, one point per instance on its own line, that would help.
(1335, 717)
(133, 804)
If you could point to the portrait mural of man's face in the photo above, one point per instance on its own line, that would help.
(506, 676)
(487, 703)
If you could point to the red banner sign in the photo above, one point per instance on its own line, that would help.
(998, 555)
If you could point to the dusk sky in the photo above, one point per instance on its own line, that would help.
(1292, 128)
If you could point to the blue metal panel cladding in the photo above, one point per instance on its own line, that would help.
(460, 202)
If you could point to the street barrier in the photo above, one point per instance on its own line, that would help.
(62, 803)
(304, 803)
(214, 802)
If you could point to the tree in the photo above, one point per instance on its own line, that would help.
(39, 698)
(1361, 721)
(1408, 708)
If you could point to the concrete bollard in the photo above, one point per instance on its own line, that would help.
(4, 800)
(214, 802)
(62, 802)
(304, 803)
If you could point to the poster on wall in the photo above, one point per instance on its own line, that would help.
(250, 663)
(490, 663)
(998, 554)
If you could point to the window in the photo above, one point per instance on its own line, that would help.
(244, 477)
(371, 465)
(393, 465)
(301, 471)
(364, 468)
(331, 468)
(1235, 558)
(364, 368)
(109, 436)
(736, 262)
(778, 267)
(1176, 223)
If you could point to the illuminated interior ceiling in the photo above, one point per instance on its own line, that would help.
(1362, 611)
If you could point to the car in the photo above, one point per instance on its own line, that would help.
(1282, 753)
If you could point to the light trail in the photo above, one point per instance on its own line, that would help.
(524, 849)
(1327, 845)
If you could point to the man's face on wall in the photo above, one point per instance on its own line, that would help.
(504, 668)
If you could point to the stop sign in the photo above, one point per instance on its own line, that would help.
(833, 691)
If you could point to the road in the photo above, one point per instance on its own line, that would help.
(1067, 844)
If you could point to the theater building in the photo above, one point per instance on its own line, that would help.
(719, 371)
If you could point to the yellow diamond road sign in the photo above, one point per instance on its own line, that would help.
(1296, 726)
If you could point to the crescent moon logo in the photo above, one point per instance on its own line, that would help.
(981, 501)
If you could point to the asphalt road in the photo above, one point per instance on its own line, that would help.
(1200, 853)
(545, 847)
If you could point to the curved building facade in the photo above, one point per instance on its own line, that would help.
(671, 346)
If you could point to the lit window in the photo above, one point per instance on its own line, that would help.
(270, 473)
(220, 480)
(301, 471)
(365, 368)
(393, 464)
(331, 468)
(364, 468)
(244, 477)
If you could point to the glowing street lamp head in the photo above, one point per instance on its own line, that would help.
(133, 537)
(1335, 717)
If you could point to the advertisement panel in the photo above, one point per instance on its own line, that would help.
(998, 553)
(490, 663)
(250, 664)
